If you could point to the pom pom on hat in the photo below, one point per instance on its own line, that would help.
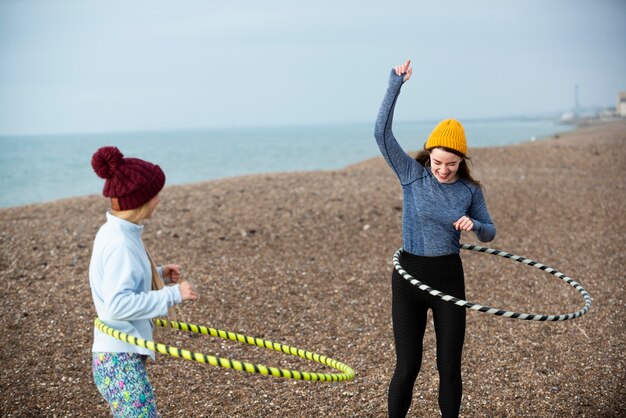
(449, 133)
(129, 182)
(106, 161)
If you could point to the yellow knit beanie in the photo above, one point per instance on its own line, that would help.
(448, 133)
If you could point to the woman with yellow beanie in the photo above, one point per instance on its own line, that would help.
(440, 199)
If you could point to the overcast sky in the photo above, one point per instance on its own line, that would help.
(107, 66)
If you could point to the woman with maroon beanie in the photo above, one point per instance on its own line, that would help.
(128, 290)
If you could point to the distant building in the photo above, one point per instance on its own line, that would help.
(573, 116)
(568, 117)
(620, 108)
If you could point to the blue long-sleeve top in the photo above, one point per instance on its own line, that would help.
(120, 275)
(429, 207)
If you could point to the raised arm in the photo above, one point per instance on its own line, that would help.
(405, 167)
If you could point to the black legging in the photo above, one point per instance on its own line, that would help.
(409, 308)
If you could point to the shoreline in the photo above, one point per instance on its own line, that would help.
(532, 139)
(304, 258)
(368, 123)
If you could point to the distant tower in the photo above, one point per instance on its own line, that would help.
(620, 108)
(576, 102)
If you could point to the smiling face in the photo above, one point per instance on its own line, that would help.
(444, 165)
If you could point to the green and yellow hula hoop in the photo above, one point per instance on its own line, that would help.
(347, 373)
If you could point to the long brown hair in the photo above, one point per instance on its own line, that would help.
(423, 157)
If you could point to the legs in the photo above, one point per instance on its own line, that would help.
(123, 382)
(409, 323)
(449, 322)
(409, 313)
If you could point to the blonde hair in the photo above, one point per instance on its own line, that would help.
(133, 215)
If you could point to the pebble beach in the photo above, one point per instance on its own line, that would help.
(305, 259)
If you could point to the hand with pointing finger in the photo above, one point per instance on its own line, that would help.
(404, 69)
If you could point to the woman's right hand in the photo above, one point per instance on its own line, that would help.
(187, 292)
(404, 69)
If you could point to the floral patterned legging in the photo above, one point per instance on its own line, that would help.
(123, 382)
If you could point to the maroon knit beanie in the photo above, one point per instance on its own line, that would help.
(129, 182)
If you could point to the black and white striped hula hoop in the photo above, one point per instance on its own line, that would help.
(494, 311)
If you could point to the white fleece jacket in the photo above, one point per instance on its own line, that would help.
(120, 276)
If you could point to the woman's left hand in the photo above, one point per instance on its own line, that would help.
(172, 271)
(464, 224)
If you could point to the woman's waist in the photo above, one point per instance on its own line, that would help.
(432, 241)
(417, 249)
(426, 258)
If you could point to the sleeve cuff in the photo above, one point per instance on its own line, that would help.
(395, 79)
(176, 297)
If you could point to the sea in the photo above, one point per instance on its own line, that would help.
(43, 168)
